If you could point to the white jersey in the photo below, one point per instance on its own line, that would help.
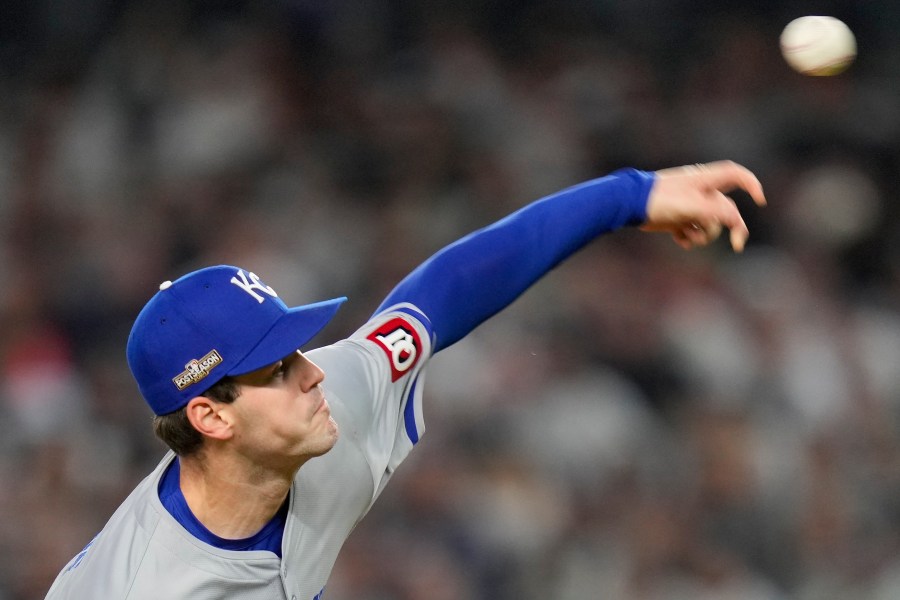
(373, 383)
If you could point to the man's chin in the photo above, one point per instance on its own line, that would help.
(329, 442)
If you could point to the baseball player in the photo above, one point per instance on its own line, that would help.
(276, 454)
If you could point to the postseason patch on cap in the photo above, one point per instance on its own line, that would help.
(401, 342)
(197, 370)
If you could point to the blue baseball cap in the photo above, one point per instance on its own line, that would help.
(212, 323)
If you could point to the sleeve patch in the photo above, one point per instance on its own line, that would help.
(401, 343)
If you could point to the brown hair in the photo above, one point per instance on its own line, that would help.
(176, 430)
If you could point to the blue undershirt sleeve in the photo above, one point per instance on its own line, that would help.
(475, 277)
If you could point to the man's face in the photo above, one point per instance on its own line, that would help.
(281, 417)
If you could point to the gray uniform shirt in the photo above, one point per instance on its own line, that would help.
(373, 383)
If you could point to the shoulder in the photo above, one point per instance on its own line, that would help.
(106, 566)
(392, 344)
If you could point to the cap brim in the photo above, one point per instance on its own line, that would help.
(289, 333)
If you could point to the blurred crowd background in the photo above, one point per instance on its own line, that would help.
(645, 424)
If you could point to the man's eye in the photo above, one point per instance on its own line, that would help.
(280, 369)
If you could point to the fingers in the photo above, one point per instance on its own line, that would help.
(726, 175)
(738, 237)
(682, 240)
(729, 216)
(723, 176)
(706, 229)
(690, 203)
(695, 235)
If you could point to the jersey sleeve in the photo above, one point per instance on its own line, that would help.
(475, 277)
(374, 381)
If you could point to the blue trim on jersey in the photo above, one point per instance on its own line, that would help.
(268, 538)
(418, 315)
(411, 311)
(475, 277)
(80, 556)
(409, 413)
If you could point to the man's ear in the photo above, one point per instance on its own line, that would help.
(207, 417)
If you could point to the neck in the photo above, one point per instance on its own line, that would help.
(231, 502)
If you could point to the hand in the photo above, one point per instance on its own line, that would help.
(690, 203)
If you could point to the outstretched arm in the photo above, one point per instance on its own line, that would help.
(475, 277)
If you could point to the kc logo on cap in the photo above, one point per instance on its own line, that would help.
(212, 323)
(250, 283)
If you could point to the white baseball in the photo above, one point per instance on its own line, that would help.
(818, 45)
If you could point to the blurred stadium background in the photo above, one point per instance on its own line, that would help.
(646, 424)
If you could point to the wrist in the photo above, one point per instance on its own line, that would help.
(634, 194)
